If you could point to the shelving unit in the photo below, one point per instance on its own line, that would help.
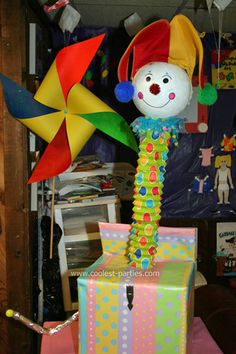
(80, 243)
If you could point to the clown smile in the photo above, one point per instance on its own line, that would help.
(156, 106)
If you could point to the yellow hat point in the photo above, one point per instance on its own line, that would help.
(9, 313)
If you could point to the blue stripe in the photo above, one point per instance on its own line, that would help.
(82, 284)
(191, 279)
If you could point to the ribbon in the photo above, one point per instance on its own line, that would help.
(57, 5)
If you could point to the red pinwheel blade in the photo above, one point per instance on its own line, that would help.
(56, 158)
(75, 68)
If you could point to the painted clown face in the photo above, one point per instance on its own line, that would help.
(161, 90)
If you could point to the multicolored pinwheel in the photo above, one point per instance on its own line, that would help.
(63, 112)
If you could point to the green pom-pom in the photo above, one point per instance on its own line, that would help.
(207, 95)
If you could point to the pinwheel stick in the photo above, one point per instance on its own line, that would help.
(52, 217)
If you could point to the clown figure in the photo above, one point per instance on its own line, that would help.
(164, 57)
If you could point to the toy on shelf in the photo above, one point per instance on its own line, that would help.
(164, 58)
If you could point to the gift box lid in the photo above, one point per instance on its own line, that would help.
(174, 244)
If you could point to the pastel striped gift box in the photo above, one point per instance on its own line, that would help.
(124, 310)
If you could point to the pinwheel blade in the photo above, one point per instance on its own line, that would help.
(56, 158)
(20, 102)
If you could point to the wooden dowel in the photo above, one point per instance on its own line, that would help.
(52, 217)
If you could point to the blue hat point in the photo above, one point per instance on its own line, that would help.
(124, 91)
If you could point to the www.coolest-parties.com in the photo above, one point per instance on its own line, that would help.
(114, 273)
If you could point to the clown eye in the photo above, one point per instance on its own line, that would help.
(148, 78)
(166, 78)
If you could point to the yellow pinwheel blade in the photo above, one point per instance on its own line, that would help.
(50, 92)
(79, 131)
(45, 126)
(82, 101)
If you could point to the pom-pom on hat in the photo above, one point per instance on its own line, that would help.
(176, 42)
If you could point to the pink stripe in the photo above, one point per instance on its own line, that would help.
(91, 313)
(104, 226)
(200, 190)
(144, 316)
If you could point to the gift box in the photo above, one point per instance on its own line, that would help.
(132, 311)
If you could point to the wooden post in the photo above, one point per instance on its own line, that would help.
(15, 261)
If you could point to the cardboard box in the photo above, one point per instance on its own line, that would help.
(132, 311)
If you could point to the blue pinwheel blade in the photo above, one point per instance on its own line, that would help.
(20, 102)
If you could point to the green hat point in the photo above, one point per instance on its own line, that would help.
(207, 95)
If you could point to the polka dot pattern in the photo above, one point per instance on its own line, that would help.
(179, 244)
(158, 318)
(107, 317)
(147, 196)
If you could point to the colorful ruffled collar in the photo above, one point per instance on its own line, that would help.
(159, 125)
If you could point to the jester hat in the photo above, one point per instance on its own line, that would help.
(176, 42)
(63, 112)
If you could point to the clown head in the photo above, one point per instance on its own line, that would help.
(164, 56)
(161, 90)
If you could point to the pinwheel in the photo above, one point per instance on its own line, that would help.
(63, 112)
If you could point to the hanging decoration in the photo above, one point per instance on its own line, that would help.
(164, 57)
(228, 143)
(223, 61)
(206, 155)
(63, 112)
(69, 19)
(221, 4)
(57, 5)
(223, 178)
(201, 185)
(133, 24)
(224, 68)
